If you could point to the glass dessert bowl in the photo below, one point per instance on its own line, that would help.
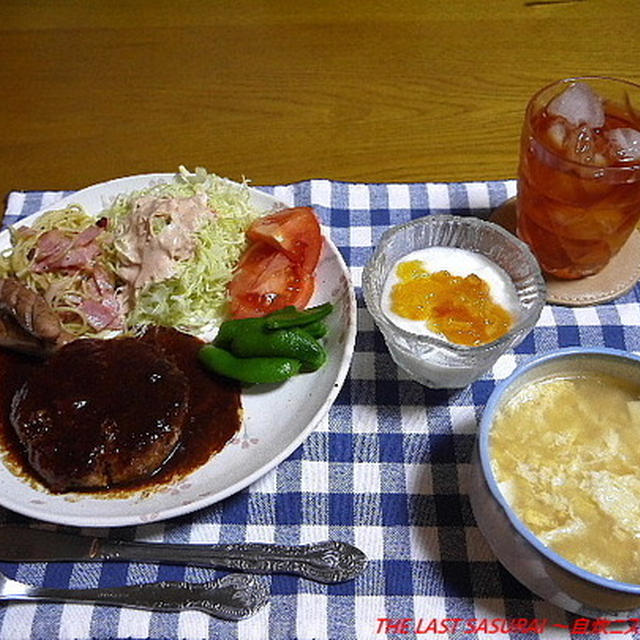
(429, 357)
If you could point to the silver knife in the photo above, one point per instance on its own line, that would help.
(328, 562)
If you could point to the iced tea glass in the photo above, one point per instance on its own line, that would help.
(579, 174)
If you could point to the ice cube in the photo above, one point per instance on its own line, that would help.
(581, 145)
(625, 143)
(578, 104)
(557, 133)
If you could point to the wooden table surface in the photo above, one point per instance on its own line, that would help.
(284, 90)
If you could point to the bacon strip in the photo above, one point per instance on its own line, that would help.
(102, 315)
(56, 250)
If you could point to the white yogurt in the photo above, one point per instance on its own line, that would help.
(458, 262)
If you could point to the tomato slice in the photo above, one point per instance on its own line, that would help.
(267, 280)
(295, 232)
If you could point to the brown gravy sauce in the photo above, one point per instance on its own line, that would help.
(215, 414)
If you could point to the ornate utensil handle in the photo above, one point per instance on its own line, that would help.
(233, 597)
(327, 562)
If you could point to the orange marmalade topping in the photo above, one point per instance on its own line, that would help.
(458, 307)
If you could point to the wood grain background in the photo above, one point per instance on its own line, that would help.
(284, 90)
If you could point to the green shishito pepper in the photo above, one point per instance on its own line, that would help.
(231, 328)
(269, 349)
(316, 329)
(293, 317)
(251, 370)
(287, 343)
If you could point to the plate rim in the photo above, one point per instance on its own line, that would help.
(349, 338)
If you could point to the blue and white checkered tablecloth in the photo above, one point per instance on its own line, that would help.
(387, 470)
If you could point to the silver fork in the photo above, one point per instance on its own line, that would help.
(232, 597)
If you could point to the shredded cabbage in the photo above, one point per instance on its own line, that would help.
(195, 299)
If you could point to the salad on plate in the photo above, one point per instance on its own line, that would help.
(185, 254)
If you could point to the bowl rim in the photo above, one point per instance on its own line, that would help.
(486, 422)
(526, 321)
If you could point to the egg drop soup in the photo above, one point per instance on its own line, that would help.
(565, 453)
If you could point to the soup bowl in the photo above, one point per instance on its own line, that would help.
(535, 564)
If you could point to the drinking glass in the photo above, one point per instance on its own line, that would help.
(579, 174)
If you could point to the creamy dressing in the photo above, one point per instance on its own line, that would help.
(458, 262)
(159, 233)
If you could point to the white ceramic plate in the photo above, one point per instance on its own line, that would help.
(277, 417)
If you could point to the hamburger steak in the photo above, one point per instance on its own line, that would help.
(101, 413)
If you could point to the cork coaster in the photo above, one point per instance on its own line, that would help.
(618, 277)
